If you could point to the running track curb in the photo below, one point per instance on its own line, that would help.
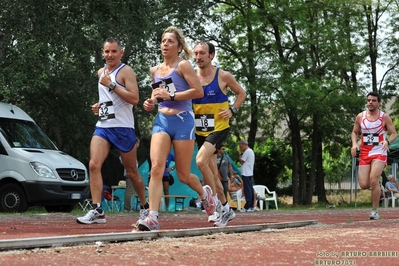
(57, 241)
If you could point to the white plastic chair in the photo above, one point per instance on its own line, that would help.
(383, 198)
(267, 195)
(387, 196)
(239, 199)
(391, 196)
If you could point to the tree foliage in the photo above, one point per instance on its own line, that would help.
(301, 63)
(51, 52)
(304, 64)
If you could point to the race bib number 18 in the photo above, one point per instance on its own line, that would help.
(205, 123)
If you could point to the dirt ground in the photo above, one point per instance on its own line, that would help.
(341, 237)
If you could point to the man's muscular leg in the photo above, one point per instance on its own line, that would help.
(364, 176)
(204, 156)
(375, 174)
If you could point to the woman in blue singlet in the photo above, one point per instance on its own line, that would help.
(175, 84)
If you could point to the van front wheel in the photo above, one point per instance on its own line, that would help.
(12, 199)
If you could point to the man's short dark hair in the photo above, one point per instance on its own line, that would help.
(372, 93)
(211, 47)
(112, 40)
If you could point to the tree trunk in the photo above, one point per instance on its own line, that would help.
(298, 169)
(321, 191)
(302, 170)
(314, 157)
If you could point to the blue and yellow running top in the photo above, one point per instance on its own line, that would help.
(206, 109)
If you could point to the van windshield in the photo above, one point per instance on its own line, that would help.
(24, 134)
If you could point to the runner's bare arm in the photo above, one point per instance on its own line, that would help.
(354, 134)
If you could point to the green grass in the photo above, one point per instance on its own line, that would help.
(323, 206)
(336, 200)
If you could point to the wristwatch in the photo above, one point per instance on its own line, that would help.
(112, 86)
(389, 143)
(233, 110)
(172, 95)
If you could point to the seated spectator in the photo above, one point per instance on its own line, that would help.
(235, 184)
(392, 185)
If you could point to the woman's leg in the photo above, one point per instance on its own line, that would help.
(184, 150)
(160, 148)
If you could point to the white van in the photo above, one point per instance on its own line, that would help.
(33, 172)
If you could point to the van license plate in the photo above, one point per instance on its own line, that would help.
(76, 196)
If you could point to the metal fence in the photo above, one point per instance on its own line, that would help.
(341, 186)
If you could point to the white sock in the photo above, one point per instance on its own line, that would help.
(226, 207)
(154, 214)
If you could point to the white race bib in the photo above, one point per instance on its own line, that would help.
(167, 84)
(371, 139)
(205, 123)
(106, 111)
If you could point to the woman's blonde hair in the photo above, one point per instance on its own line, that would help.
(188, 53)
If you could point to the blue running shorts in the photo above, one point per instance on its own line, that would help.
(180, 126)
(121, 138)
